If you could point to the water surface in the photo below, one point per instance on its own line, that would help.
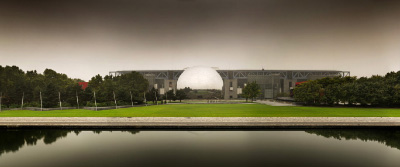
(314, 147)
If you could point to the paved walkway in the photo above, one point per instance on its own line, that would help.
(275, 103)
(198, 122)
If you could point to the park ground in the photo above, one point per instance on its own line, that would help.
(214, 110)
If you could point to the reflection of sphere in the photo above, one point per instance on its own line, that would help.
(200, 78)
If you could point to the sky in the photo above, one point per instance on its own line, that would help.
(88, 37)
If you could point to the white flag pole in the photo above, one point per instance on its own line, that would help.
(115, 101)
(1, 96)
(41, 101)
(155, 95)
(144, 95)
(22, 103)
(95, 99)
(131, 98)
(77, 99)
(59, 99)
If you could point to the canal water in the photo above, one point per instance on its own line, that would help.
(308, 147)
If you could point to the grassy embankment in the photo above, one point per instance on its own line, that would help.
(213, 110)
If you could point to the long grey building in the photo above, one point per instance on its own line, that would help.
(272, 82)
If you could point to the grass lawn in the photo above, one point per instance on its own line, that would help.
(213, 110)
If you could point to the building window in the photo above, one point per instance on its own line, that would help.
(230, 84)
(239, 91)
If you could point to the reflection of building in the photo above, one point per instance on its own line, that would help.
(272, 82)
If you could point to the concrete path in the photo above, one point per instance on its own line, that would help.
(275, 103)
(197, 122)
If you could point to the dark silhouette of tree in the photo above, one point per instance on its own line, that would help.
(13, 140)
(383, 91)
(390, 138)
(181, 95)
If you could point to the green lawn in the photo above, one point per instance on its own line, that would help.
(213, 110)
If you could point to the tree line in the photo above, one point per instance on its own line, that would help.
(383, 91)
(17, 87)
(25, 89)
(154, 96)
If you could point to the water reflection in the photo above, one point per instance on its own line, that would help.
(311, 147)
(13, 140)
(390, 138)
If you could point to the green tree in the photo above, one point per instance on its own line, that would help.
(153, 95)
(12, 85)
(129, 83)
(50, 96)
(181, 95)
(348, 93)
(308, 92)
(187, 90)
(170, 95)
(95, 83)
(251, 91)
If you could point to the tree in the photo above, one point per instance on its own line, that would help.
(171, 95)
(251, 91)
(50, 96)
(14, 83)
(95, 82)
(72, 91)
(309, 92)
(134, 83)
(153, 95)
(392, 79)
(187, 90)
(348, 93)
(332, 95)
(181, 95)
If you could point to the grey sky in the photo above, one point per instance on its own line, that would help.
(88, 37)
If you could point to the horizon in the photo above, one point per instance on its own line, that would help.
(108, 73)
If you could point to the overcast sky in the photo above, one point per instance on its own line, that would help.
(82, 38)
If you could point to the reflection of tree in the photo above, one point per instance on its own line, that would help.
(132, 131)
(129, 131)
(390, 138)
(13, 140)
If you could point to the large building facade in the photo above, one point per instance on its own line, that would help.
(271, 82)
